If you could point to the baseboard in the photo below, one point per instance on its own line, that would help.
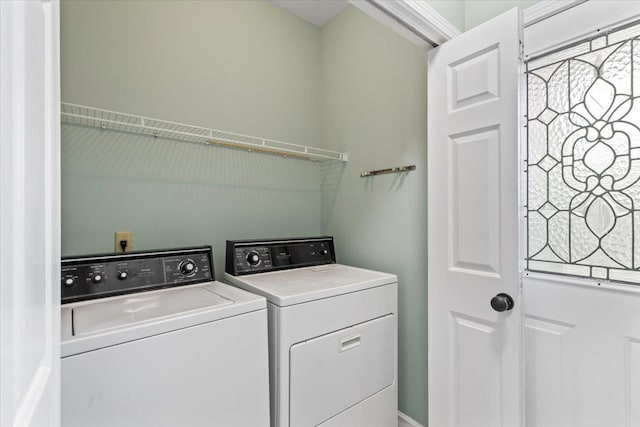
(406, 419)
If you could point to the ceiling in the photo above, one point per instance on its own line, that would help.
(317, 12)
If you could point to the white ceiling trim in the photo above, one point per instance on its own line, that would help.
(420, 18)
(547, 8)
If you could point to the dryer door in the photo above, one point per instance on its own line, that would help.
(334, 372)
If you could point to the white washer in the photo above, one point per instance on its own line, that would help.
(190, 355)
(332, 332)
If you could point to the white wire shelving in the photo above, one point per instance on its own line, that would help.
(105, 119)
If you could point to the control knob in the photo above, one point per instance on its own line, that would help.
(68, 282)
(122, 275)
(253, 258)
(97, 278)
(187, 267)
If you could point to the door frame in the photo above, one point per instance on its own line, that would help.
(430, 26)
(30, 260)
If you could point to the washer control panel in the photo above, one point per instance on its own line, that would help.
(98, 276)
(259, 256)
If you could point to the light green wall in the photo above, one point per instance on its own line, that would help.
(239, 66)
(374, 89)
(246, 67)
(172, 194)
(451, 10)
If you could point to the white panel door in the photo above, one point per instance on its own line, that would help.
(582, 336)
(582, 345)
(474, 350)
(29, 214)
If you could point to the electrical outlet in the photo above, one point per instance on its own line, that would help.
(123, 236)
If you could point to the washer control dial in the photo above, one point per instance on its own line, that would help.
(187, 267)
(97, 278)
(68, 282)
(253, 258)
(122, 275)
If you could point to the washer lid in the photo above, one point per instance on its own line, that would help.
(300, 285)
(144, 306)
(98, 323)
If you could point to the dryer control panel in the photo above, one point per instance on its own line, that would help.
(98, 276)
(259, 256)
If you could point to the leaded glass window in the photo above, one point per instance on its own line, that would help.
(583, 159)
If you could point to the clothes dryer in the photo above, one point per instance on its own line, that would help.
(332, 332)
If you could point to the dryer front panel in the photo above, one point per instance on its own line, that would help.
(334, 372)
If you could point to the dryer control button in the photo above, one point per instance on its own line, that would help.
(253, 258)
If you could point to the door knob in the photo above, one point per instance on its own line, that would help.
(502, 302)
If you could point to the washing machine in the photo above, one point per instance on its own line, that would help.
(332, 332)
(150, 339)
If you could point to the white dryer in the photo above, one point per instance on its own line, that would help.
(332, 332)
(192, 353)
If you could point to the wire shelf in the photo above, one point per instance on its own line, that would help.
(105, 119)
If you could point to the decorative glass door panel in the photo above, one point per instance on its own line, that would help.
(583, 166)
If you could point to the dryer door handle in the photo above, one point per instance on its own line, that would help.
(347, 343)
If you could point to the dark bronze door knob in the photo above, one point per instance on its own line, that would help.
(502, 302)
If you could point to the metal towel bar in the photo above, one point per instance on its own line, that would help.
(390, 170)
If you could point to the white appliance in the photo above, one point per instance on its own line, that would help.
(193, 353)
(332, 332)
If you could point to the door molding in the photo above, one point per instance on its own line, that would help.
(546, 9)
(423, 20)
(577, 24)
(30, 213)
(420, 18)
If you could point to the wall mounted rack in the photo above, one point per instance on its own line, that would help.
(389, 170)
(105, 119)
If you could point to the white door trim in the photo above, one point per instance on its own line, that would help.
(587, 20)
(420, 18)
(423, 20)
(546, 9)
(29, 213)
